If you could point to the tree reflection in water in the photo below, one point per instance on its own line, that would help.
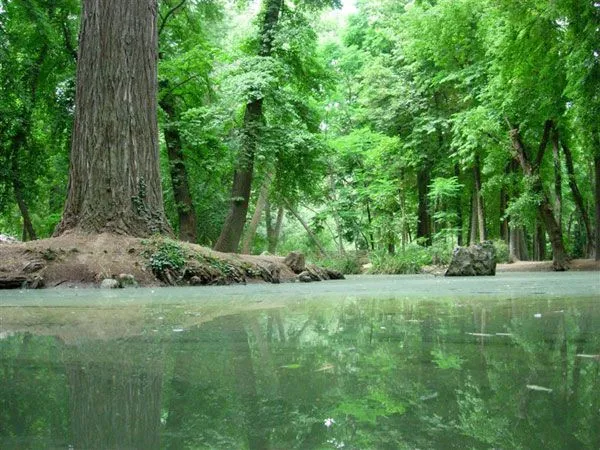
(361, 374)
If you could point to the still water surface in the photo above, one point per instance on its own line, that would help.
(506, 362)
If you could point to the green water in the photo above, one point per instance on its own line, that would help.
(369, 363)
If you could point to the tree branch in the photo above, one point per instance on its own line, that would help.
(169, 14)
(548, 125)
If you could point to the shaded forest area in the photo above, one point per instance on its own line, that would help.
(387, 135)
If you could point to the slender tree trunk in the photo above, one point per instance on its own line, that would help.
(371, 242)
(179, 178)
(504, 219)
(473, 223)
(273, 231)
(233, 227)
(578, 198)
(479, 197)
(557, 177)
(258, 210)
(539, 243)
(423, 218)
(545, 210)
(114, 182)
(310, 233)
(459, 212)
(28, 231)
(597, 204)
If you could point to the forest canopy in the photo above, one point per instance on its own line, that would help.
(387, 131)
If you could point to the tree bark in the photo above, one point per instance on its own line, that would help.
(557, 177)
(539, 243)
(578, 198)
(597, 204)
(545, 210)
(459, 212)
(233, 227)
(273, 231)
(179, 177)
(479, 196)
(473, 222)
(114, 179)
(258, 210)
(423, 218)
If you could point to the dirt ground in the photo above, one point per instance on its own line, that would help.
(546, 266)
(81, 260)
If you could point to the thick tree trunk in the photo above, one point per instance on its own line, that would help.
(479, 196)
(517, 245)
(578, 199)
(258, 210)
(114, 182)
(233, 227)
(423, 218)
(545, 210)
(179, 178)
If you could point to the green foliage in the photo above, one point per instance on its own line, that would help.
(446, 360)
(409, 261)
(348, 264)
(163, 254)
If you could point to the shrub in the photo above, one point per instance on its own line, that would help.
(348, 265)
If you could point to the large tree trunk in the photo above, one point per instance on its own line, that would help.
(423, 218)
(179, 178)
(114, 182)
(545, 210)
(233, 227)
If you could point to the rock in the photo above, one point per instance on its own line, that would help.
(126, 280)
(6, 239)
(36, 282)
(109, 283)
(335, 275)
(478, 259)
(305, 277)
(196, 281)
(296, 262)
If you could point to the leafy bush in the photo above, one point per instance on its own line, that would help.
(409, 261)
(502, 252)
(348, 265)
(164, 254)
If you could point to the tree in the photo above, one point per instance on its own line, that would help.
(36, 62)
(114, 182)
